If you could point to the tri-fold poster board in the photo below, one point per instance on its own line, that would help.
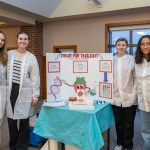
(79, 76)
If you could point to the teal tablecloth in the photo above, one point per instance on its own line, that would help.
(80, 128)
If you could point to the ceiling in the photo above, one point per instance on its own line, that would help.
(13, 12)
(26, 12)
(34, 6)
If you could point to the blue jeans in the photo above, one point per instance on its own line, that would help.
(146, 138)
(145, 129)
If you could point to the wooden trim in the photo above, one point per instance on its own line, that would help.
(107, 26)
(44, 95)
(56, 48)
(128, 23)
(106, 37)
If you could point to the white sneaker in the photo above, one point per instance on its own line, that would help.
(118, 147)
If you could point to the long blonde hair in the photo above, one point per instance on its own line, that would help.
(3, 52)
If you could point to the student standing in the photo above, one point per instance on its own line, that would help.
(24, 90)
(124, 95)
(3, 62)
(142, 69)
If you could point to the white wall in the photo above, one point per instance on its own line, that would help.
(88, 34)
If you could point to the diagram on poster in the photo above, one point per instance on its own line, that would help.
(79, 76)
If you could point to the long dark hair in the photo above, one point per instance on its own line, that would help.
(139, 54)
(3, 51)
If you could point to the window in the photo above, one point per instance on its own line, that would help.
(131, 33)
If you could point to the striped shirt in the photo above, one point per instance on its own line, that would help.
(16, 71)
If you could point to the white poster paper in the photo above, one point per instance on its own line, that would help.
(80, 75)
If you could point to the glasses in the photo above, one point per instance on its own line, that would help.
(145, 45)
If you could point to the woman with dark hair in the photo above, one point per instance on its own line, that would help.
(23, 92)
(142, 69)
(124, 95)
(3, 61)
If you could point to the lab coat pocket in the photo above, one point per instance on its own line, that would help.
(146, 90)
(23, 104)
(25, 95)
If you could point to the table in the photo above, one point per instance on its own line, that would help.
(80, 128)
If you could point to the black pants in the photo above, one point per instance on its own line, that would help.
(124, 122)
(19, 135)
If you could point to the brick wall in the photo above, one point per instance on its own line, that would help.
(36, 43)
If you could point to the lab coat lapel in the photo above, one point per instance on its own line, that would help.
(22, 72)
(11, 71)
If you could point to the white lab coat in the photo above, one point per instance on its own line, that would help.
(124, 81)
(29, 85)
(2, 90)
(143, 77)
